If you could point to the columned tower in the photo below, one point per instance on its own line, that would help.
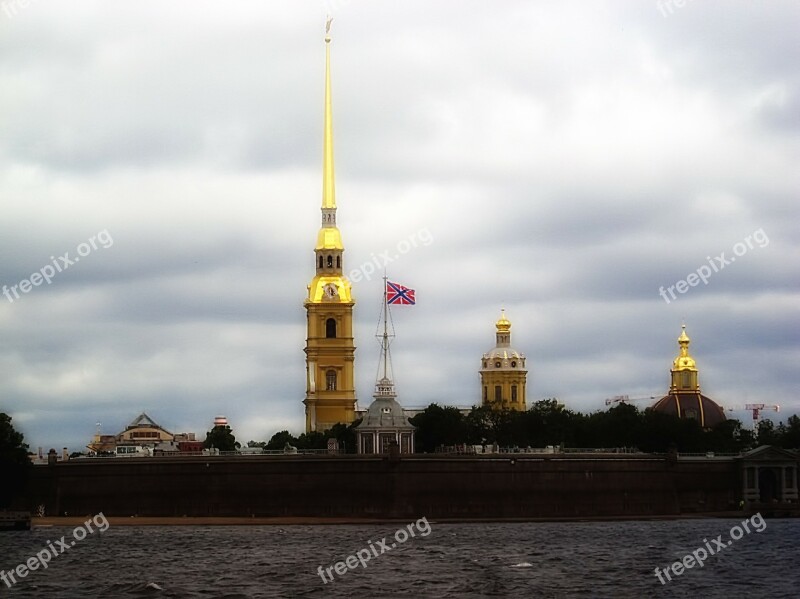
(503, 374)
(330, 351)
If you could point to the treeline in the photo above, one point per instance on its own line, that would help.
(344, 434)
(549, 423)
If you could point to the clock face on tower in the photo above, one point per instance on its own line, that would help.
(331, 291)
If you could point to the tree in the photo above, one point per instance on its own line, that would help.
(280, 439)
(14, 462)
(312, 440)
(437, 426)
(345, 435)
(221, 437)
(791, 434)
(261, 444)
(729, 436)
(766, 434)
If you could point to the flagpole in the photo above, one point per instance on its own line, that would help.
(385, 325)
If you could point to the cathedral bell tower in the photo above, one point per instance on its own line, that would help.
(330, 351)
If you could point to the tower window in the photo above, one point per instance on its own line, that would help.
(320, 261)
(497, 364)
(498, 393)
(513, 394)
(485, 394)
(330, 328)
(330, 261)
(513, 364)
(686, 379)
(330, 380)
(338, 261)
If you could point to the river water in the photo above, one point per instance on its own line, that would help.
(557, 559)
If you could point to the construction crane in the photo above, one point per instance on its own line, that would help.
(625, 399)
(756, 409)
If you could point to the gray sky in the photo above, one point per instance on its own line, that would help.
(565, 160)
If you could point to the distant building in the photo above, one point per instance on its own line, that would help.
(684, 399)
(503, 374)
(143, 432)
(385, 423)
(103, 444)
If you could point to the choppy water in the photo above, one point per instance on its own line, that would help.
(575, 559)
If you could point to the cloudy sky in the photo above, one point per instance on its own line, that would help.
(564, 160)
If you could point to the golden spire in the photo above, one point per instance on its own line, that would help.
(503, 325)
(684, 361)
(329, 236)
(328, 178)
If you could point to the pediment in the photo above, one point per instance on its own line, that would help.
(769, 453)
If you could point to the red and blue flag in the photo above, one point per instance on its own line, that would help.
(397, 294)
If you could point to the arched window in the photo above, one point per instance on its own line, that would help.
(330, 328)
(338, 261)
(320, 261)
(330, 261)
(485, 394)
(498, 393)
(513, 394)
(330, 380)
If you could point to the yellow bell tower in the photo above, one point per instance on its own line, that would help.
(330, 351)
(503, 373)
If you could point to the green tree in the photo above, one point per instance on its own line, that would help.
(14, 462)
(345, 435)
(221, 437)
(729, 436)
(280, 439)
(791, 434)
(437, 425)
(312, 440)
(766, 434)
(548, 422)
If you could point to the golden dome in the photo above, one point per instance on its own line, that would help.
(503, 325)
(684, 361)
